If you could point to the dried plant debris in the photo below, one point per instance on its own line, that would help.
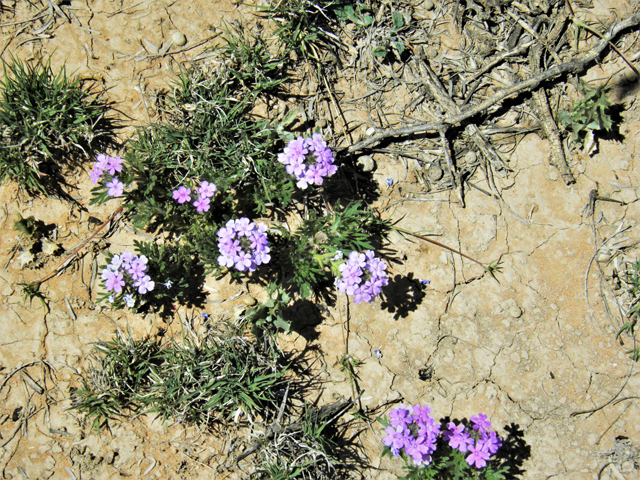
(36, 242)
(471, 57)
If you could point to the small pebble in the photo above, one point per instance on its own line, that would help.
(249, 301)
(367, 163)
(428, 5)
(470, 157)
(435, 173)
(178, 39)
(515, 311)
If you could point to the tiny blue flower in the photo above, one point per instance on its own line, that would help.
(168, 284)
(338, 256)
(389, 181)
(111, 299)
(378, 353)
(129, 300)
(425, 282)
(204, 315)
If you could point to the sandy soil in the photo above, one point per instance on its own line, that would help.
(535, 350)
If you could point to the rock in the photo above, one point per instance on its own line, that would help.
(434, 173)
(428, 5)
(471, 157)
(178, 39)
(249, 301)
(515, 311)
(366, 163)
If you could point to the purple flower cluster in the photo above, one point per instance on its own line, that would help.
(414, 431)
(110, 165)
(363, 276)
(309, 160)
(203, 202)
(411, 430)
(243, 244)
(481, 443)
(127, 269)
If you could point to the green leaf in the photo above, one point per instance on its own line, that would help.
(398, 21)
(282, 324)
(399, 46)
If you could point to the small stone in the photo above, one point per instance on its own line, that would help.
(435, 173)
(581, 168)
(515, 311)
(366, 163)
(178, 39)
(321, 123)
(428, 5)
(249, 300)
(370, 131)
(470, 158)
(553, 175)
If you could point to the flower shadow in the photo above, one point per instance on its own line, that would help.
(402, 295)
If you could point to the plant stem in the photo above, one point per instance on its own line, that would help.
(55, 271)
(408, 232)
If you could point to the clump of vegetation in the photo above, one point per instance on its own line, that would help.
(304, 449)
(588, 116)
(48, 122)
(194, 379)
(630, 277)
(305, 28)
(118, 375)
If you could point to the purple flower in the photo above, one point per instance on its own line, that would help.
(243, 244)
(362, 276)
(206, 189)
(479, 456)
(115, 187)
(296, 149)
(144, 284)
(377, 353)
(202, 204)
(114, 282)
(400, 416)
(308, 160)
(168, 283)
(244, 227)
(95, 175)
(458, 437)
(137, 267)
(182, 194)
(480, 422)
(395, 438)
(492, 441)
(113, 165)
(419, 452)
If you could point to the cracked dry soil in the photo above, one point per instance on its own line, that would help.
(529, 350)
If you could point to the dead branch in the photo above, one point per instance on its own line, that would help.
(574, 66)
